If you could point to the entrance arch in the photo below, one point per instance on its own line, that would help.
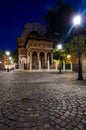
(34, 60)
(23, 62)
(42, 59)
(49, 57)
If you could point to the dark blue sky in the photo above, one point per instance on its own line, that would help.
(15, 13)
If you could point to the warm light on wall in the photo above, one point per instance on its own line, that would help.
(6, 66)
(68, 56)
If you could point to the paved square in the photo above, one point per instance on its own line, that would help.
(42, 101)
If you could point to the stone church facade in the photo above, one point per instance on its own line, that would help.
(34, 50)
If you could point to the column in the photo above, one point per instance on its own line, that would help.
(45, 57)
(71, 66)
(63, 66)
(52, 58)
(56, 65)
(48, 63)
(39, 61)
(39, 64)
(30, 61)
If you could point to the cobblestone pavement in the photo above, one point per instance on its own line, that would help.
(42, 101)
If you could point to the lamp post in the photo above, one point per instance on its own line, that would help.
(7, 54)
(77, 21)
(59, 46)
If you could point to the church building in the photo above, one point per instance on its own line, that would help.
(35, 51)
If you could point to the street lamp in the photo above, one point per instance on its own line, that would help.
(7, 66)
(7, 53)
(68, 56)
(59, 47)
(10, 58)
(77, 21)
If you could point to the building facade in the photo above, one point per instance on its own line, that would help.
(4, 61)
(34, 50)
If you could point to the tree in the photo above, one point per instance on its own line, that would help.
(1, 55)
(58, 20)
(59, 55)
(14, 57)
(72, 46)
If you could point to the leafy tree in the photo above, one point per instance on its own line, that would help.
(72, 46)
(58, 20)
(1, 55)
(59, 55)
(14, 57)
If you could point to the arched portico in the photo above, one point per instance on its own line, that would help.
(40, 59)
(23, 62)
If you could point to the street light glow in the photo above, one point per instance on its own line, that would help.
(59, 46)
(68, 56)
(7, 53)
(77, 20)
(10, 58)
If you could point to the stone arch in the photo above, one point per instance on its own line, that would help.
(19, 61)
(49, 57)
(34, 60)
(42, 59)
(23, 61)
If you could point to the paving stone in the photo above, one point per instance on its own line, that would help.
(47, 126)
(58, 127)
(63, 124)
(42, 101)
(57, 121)
(75, 129)
(34, 128)
(26, 124)
(63, 129)
(52, 128)
(52, 118)
(40, 128)
(80, 127)
(83, 121)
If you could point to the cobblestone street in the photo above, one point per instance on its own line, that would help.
(42, 101)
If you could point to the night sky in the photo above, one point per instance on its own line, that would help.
(15, 13)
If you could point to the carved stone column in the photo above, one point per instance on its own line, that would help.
(30, 61)
(45, 57)
(39, 61)
(71, 66)
(51, 58)
(48, 63)
(63, 66)
(56, 65)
